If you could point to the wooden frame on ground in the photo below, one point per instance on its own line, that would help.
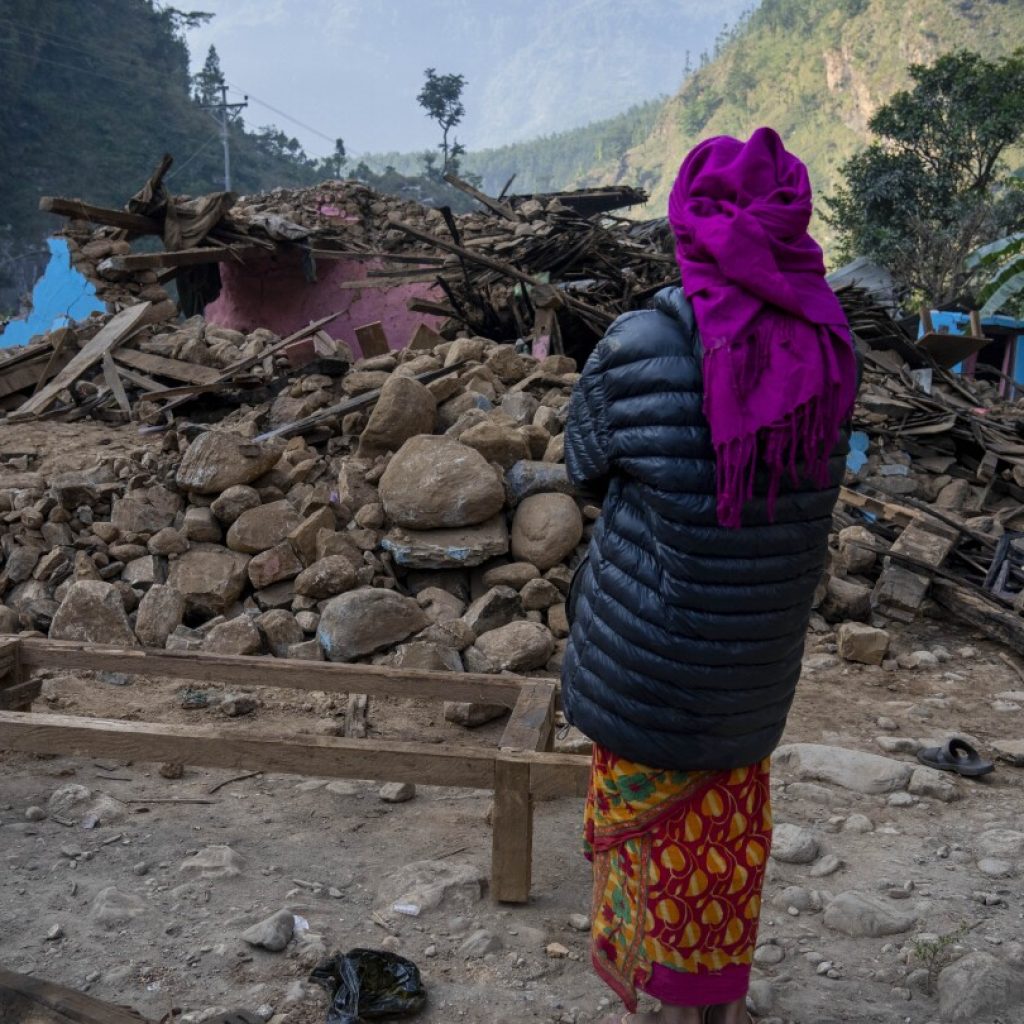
(518, 771)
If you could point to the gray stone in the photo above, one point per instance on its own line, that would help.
(363, 621)
(227, 507)
(145, 511)
(546, 529)
(93, 613)
(768, 955)
(498, 607)
(932, 783)
(517, 647)
(1001, 844)
(828, 865)
(520, 407)
(213, 862)
(539, 595)
(480, 943)
(861, 643)
(273, 933)
(281, 629)
(856, 549)
(515, 575)
(1010, 751)
(846, 600)
(210, 578)
(852, 769)
(470, 715)
(980, 987)
(239, 635)
(792, 844)
(142, 573)
(457, 548)
(160, 612)
(862, 915)
(440, 605)
(167, 541)
(69, 800)
(530, 477)
(201, 526)
(425, 885)
(397, 792)
(405, 408)
(435, 482)
(994, 868)
(501, 443)
(111, 907)
(216, 460)
(259, 529)
(273, 566)
(858, 824)
(327, 577)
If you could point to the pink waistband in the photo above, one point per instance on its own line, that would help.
(678, 988)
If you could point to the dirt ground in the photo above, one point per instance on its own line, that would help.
(184, 950)
(324, 851)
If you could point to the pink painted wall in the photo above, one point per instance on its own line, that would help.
(275, 294)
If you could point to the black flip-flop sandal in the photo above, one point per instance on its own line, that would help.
(956, 756)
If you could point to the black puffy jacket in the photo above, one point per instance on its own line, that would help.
(686, 637)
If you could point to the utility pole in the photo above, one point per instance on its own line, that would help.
(226, 111)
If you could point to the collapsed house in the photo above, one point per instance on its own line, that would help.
(294, 467)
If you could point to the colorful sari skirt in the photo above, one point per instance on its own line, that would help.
(679, 861)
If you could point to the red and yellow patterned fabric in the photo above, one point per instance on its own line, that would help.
(679, 861)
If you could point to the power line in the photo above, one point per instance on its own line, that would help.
(281, 113)
(202, 149)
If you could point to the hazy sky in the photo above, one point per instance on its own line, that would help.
(352, 68)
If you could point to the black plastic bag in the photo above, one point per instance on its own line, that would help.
(369, 983)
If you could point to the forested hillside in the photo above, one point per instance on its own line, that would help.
(816, 70)
(95, 91)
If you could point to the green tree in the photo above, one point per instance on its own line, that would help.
(209, 79)
(935, 184)
(333, 164)
(441, 98)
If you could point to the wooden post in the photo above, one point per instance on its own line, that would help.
(530, 728)
(16, 693)
(512, 830)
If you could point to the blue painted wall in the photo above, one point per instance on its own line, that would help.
(60, 296)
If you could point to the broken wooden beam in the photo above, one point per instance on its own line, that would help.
(373, 341)
(179, 258)
(133, 222)
(494, 205)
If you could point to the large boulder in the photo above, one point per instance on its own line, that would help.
(546, 529)
(363, 621)
(160, 613)
(855, 770)
(216, 460)
(498, 442)
(92, 612)
(405, 408)
(210, 578)
(239, 635)
(864, 915)
(459, 548)
(437, 482)
(259, 529)
(980, 987)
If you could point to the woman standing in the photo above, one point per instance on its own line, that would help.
(714, 422)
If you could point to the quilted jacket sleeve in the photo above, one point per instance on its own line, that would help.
(587, 435)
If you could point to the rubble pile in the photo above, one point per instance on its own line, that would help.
(435, 531)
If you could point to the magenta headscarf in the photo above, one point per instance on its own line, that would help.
(780, 374)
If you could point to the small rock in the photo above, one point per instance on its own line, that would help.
(579, 922)
(54, 933)
(112, 907)
(1010, 751)
(556, 950)
(859, 824)
(995, 868)
(480, 943)
(236, 705)
(214, 862)
(929, 782)
(273, 933)
(546, 529)
(768, 955)
(828, 865)
(861, 915)
(34, 813)
(792, 844)
(397, 792)
(861, 643)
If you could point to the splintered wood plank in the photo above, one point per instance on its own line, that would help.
(34, 1001)
(113, 379)
(900, 591)
(511, 831)
(99, 215)
(553, 775)
(181, 257)
(532, 721)
(380, 680)
(175, 369)
(372, 340)
(19, 697)
(1001, 624)
(112, 334)
(212, 747)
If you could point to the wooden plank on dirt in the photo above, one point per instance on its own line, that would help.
(373, 341)
(175, 369)
(110, 335)
(1001, 624)
(31, 1000)
(134, 222)
(213, 747)
(238, 670)
(113, 381)
(180, 258)
(19, 697)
